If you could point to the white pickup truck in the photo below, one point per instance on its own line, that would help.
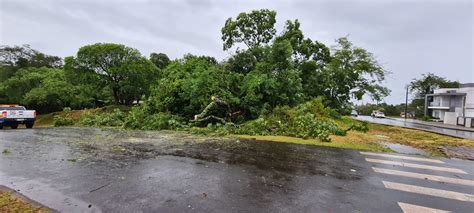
(13, 115)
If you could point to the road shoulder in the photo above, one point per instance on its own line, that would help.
(11, 200)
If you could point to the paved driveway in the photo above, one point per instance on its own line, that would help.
(92, 170)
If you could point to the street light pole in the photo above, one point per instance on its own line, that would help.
(406, 103)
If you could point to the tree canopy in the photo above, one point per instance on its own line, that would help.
(160, 60)
(429, 82)
(274, 70)
(123, 69)
(252, 29)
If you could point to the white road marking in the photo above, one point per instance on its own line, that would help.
(418, 166)
(402, 157)
(410, 208)
(429, 191)
(424, 176)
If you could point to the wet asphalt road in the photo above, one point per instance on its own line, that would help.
(420, 126)
(92, 170)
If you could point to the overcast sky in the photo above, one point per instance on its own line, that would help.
(407, 37)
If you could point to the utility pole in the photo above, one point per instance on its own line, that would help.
(406, 103)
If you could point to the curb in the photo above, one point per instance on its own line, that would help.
(22, 197)
(444, 127)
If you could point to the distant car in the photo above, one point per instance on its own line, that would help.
(409, 115)
(354, 113)
(12, 115)
(377, 114)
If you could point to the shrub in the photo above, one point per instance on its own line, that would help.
(361, 126)
(259, 126)
(115, 118)
(425, 118)
(136, 117)
(64, 119)
(162, 120)
(309, 120)
(60, 120)
(140, 117)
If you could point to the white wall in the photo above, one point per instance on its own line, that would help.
(450, 118)
(469, 97)
(469, 113)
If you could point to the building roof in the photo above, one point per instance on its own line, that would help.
(466, 85)
(448, 93)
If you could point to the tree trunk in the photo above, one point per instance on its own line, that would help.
(116, 96)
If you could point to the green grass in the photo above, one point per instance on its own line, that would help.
(344, 142)
(427, 141)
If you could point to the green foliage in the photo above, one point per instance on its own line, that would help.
(187, 86)
(242, 62)
(425, 118)
(275, 80)
(113, 119)
(352, 73)
(64, 119)
(160, 60)
(252, 29)
(429, 82)
(44, 89)
(141, 118)
(14, 58)
(122, 69)
(309, 120)
(360, 126)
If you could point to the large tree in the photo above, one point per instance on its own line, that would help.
(310, 58)
(352, 73)
(123, 69)
(252, 29)
(429, 82)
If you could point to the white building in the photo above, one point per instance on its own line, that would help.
(452, 105)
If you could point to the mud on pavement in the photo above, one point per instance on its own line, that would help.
(124, 146)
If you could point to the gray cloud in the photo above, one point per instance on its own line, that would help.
(408, 37)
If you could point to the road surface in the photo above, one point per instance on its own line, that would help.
(92, 170)
(420, 126)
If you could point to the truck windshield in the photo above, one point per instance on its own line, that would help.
(12, 108)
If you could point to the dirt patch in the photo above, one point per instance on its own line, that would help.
(462, 152)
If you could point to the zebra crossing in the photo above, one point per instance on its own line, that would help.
(426, 170)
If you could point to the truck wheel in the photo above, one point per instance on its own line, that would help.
(14, 126)
(29, 125)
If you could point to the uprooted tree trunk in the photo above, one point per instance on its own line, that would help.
(206, 116)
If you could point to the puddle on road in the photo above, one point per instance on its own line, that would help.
(403, 149)
(400, 148)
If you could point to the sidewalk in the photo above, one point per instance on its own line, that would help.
(435, 124)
